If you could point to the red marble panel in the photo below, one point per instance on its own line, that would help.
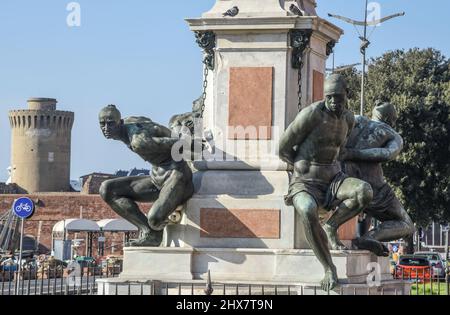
(347, 232)
(240, 223)
(250, 104)
(318, 86)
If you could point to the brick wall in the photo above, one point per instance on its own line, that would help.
(54, 207)
(92, 184)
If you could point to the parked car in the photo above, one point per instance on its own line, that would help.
(85, 261)
(51, 267)
(9, 264)
(414, 267)
(112, 265)
(436, 263)
(88, 264)
(29, 269)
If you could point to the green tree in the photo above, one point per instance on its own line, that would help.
(418, 83)
(353, 77)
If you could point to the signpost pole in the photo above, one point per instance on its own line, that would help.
(19, 275)
(24, 209)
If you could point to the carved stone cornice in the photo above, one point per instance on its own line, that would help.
(299, 42)
(207, 41)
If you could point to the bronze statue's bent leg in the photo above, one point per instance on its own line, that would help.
(121, 195)
(356, 195)
(307, 208)
(395, 224)
(176, 191)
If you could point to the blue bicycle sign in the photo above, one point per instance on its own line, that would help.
(23, 207)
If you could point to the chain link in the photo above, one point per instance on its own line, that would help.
(205, 86)
(300, 40)
(300, 84)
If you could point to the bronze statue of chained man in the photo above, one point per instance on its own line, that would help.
(168, 186)
(373, 142)
(312, 144)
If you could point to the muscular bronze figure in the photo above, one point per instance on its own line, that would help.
(312, 144)
(168, 186)
(372, 143)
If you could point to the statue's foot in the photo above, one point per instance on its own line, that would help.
(333, 239)
(330, 281)
(152, 239)
(372, 245)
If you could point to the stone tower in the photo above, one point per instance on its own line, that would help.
(40, 146)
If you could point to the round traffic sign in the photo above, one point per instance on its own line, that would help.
(23, 207)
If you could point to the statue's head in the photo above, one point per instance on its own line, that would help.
(336, 93)
(385, 112)
(110, 122)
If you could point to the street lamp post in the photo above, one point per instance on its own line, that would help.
(364, 45)
(365, 42)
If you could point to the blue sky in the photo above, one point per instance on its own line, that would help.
(141, 56)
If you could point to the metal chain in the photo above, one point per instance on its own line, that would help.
(300, 40)
(205, 86)
(300, 84)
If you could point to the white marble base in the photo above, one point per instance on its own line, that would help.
(173, 271)
(243, 265)
(157, 263)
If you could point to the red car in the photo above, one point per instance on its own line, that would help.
(414, 267)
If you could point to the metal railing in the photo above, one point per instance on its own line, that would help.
(60, 280)
(249, 289)
(56, 280)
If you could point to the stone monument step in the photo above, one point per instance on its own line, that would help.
(249, 265)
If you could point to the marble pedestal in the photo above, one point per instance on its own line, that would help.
(237, 209)
(246, 265)
(242, 209)
(237, 227)
(150, 271)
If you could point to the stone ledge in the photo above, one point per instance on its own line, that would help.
(244, 265)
